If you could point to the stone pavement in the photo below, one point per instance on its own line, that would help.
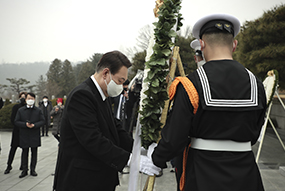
(271, 158)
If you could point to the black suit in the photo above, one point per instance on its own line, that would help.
(125, 111)
(29, 137)
(15, 134)
(94, 147)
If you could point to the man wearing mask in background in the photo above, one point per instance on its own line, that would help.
(93, 145)
(120, 106)
(15, 133)
(29, 119)
(56, 114)
(46, 107)
(198, 57)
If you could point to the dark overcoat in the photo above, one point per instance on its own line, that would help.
(29, 137)
(57, 115)
(15, 142)
(49, 108)
(93, 145)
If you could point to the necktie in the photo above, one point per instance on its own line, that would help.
(122, 117)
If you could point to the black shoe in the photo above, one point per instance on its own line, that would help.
(8, 169)
(42, 135)
(33, 173)
(125, 171)
(23, 174)
(160, 173)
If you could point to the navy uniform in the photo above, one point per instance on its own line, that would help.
(229, 117)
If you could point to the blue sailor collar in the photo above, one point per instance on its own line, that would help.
(227, 95)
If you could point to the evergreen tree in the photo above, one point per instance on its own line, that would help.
(95, 59)
(86, 71)
(261, 44)
(76, 72)
(186, 54)
(138, 63)
(67, 82)
(41, 87)
(54, 77)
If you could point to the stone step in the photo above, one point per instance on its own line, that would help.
(282, 170)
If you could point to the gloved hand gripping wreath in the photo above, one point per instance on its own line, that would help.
(194, 99)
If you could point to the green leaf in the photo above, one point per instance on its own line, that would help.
(155, 83)
(172, 33)
(166, 52)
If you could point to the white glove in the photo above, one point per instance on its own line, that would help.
(129, 161)
(143, 151)
(151, 149)
(147, 166)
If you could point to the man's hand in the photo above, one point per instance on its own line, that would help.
(30, 125)
(147, 166)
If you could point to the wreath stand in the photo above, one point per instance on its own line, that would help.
(175, 62)
(265, 125)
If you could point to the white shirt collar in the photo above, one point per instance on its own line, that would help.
(99, 88)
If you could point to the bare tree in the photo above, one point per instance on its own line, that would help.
(144, 36)
(53, 89)
(185, 32)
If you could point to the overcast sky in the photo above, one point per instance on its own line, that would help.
(42, 30)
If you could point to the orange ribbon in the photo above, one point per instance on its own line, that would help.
(194, 99)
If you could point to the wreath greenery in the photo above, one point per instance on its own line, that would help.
(156, 94)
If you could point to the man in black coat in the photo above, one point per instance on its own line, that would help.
(121, 105)
(46, 107)
(94, 147)
(15, 133)
(1, 102)
(29, 119)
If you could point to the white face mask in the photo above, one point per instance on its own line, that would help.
(45, 100)
(113, 89)
(201, 63)
(30, 102)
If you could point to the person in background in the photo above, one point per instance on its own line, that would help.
(198, 57)
(121, 107)
(15, 134)
(56, 115)
(46, 106)
(221, 106)
(29, 119)
(1, 102)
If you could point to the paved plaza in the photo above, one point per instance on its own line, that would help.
(271, 162)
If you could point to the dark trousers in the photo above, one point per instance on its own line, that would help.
(11, 156)
(45, 129)
(25, 158)
(57, 137)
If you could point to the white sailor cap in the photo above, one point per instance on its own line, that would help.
(216, 22)
(195, 44)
